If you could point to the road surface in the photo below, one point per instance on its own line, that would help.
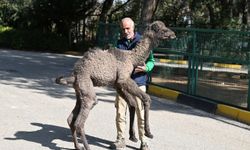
(34, 111)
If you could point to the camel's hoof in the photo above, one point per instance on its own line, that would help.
(78, 147)
(133, 139)
(60, 80)
(149, 135)
(95, 103)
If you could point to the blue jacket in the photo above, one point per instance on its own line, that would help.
(141, 77)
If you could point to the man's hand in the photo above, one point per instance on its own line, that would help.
(140, 68)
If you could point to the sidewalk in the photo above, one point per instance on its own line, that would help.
(34, 111)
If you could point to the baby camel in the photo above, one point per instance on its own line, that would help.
(111, 67)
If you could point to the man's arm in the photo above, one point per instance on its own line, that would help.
(150, 62)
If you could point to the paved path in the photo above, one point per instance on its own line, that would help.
(34, 110)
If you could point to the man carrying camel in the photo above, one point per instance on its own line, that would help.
(128, 41)
(111, 67)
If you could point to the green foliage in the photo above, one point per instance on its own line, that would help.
(11, 12)
(59, 15)
(60, 18)
(32, 40)
(7, 12)
(204, 13)
(3, 28)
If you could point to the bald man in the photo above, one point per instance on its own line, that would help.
(128, 41)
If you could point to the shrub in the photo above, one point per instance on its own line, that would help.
(32, 40)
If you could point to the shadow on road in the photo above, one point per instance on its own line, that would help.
(32, 70)
(48, 133)
(37, 71)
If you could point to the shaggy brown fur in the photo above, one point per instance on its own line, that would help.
(111, 67)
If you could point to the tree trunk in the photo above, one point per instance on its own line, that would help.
(148, 10)
(211, 15)
(226, 11)
(245, 12)
(248, 12)
(107, 4)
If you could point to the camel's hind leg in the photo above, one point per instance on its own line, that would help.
(72, 118)
(81, 125)
(71, 121)
(87, 99)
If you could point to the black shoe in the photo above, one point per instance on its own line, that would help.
(133, 139)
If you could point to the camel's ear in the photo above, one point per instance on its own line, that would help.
(147, 27)
(154, 26)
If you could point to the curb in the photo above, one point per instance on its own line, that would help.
(234, 113)
(184, 62)
(163, 92)
(232, 66)
(201, 103)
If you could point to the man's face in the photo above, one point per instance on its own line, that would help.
(127, 29)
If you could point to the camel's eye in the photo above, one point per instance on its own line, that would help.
(163, 31)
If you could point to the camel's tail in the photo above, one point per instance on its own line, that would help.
(65, 80)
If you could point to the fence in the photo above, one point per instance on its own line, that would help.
(213, 64)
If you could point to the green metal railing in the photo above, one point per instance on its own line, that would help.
(213, 64)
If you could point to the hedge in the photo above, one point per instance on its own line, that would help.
(32, 40)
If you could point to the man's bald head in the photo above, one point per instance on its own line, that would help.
(127, 26)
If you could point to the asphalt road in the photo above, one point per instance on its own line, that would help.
(34, 110)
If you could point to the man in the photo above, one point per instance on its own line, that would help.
(139, 75)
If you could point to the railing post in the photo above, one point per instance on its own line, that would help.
(192, 67)
(189, 84)
(248, 91)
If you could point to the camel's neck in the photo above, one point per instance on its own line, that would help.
(142, 50)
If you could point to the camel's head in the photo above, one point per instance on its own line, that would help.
(161, 31)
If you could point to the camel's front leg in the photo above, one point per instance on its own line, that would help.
(129, 87)
(132, 136)
(132, 105)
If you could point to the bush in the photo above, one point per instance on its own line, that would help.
(32, 40)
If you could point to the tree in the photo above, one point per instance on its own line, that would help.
(7, 13)
(11, 11)
(149, 8)
(147, 12)
(175, 12)
(245, 12)
(106, 6)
